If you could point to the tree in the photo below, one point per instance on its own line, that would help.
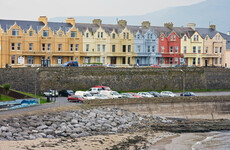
(6, 88)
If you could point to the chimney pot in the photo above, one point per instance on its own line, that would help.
(97, 22)
(191, 25)
(122, 23)
(146, 24)
(169, 25)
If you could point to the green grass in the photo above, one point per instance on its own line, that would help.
(42, 100)
(178, 91)
(5, 98)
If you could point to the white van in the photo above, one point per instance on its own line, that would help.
(84, 94)
(111, 94)
(95, 90)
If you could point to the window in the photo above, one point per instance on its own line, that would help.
(98, 34)
(129, 48)
(12, 46)
(48, 47)
(71, 58)
(30, 46)
(123, 35)
(216, 61)
(221, 61)
(13, 59)
(171, 37)
(87, 47)
(103, 48)
(15, 32)
(218, 37)
(151, 36)
(162, 49)
(98, 59)
(76, 58)
(174, 37)
(103, 60)
(113, 48)
(139, 48)
(43, 47)
(206, 50)
(185, 38)
(73, 34)
(45, 33)
(198, 61)
(194, 49)
(220, 49)
(206, 38)
(87, 35)
(153, 49)
(98, 47)
(162, 60)
(196, 37)
(216, 49)
(171, 60)
(185, 49)
(59, 47)
(176, 60)
(148, 48)
(171, 49)
(113, 35)
(60, 34)
(123, 60)
(176, 49)
(124, 48)
(127, 35)
(138, 36)
(194, 61)
(71, 47)
(76, 47)
(31, 33)
(101, 34)
(59, 60)
(199, 49)
(30, 60)
(162, 38)
(19, 46)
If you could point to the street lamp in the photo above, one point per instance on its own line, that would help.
(35, 81)
(183, 81)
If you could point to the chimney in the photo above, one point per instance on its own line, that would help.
(146, 24)
(228, 33)
(97, 22)
(191, 25)
(122, 23)
(71, 21)
(43, 19)
(213, 27)
(169, 25)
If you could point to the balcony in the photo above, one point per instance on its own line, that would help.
(211, 55)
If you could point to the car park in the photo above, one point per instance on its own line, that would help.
(100, 96)
(187, 94)
(75, 98)
(168, 94)
(127, 95)
(85, 94)
(103, 87)
(52, 93)
(66, 93)
(95, 90)
(155, 94)
(111, 94)
(145, 94)
(136, 95)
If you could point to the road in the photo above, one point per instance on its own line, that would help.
(62, 101)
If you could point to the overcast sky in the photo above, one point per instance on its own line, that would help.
(32, 9)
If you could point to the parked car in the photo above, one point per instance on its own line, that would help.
(66, 93)
(111, 94)
(187, 94)
(85, 94)
(168, 94)
(103, 87)
(52, 93)
(145, 94)
(136, 95)
(155, 94)
(100, 96)
(70, 63)
(127, 95)
(95, 90)
(155, 66)
(75, 98)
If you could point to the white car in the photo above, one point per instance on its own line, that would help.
(88, 96)
(111, 94)
(84, 94)
(100, 96)
(168, 94)
(95, 90)
(145, 94)
(52, 93)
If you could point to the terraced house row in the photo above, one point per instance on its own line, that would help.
(29, 43)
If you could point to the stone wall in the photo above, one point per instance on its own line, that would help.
(212, 107)
(119, 79)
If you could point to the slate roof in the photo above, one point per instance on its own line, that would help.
(206, 31)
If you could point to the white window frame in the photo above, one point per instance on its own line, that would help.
(45, 33)
(19, 46)
(48, 46)
(176, 49)
(30, 46)
(73, 34)
(15, 32)
(59, 47)
(12, 46)
(43, 46)
(71, 47)
(76, 47)
(171, 49)
(98, 47)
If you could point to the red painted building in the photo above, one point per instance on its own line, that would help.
(170, 48)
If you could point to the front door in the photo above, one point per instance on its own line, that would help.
(113, 60)
(206, 63)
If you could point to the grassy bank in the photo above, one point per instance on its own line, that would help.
(5, 98)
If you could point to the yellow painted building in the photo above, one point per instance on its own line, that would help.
(192, 47)
(27, 43)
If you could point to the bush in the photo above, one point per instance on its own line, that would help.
(6, 87)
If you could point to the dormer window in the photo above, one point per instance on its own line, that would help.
(31, 33)
(73, 34)
(185, 38)
(87, 35)
(45, 33)
(138, 36)
(60, 34)
(123, 35)
(114, 35)
(174, 37)
(151, 36)
(127, 35)
(162, 38)
(15, 32)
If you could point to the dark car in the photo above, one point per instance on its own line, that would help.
(66, 93)
(187, 94)
(75, 98)
(155, 94)
(70, 63)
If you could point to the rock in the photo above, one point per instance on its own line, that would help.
(74, 121)
(34, 131)
(50, 137)
(74, 135)
(33, 117)
(114, 124)
(114, 130)
(77, 130)
(119, 113)
(48, 131)
(92, 115)
(48, 123)
(42, 127)
(3, 128)
(32, 137)
(58, 132)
